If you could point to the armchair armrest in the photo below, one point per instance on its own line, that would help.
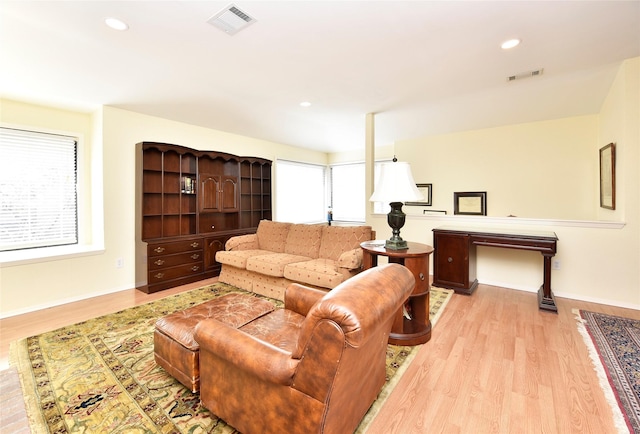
(351, 259)
(242, 242)
(243, 351)
(300, 299)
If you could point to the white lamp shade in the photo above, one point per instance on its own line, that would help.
(396, 184)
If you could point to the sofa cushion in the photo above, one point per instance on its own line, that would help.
(339, 239)
(304, 240)
(242, 242)
(273, 264)
(318, 272)
(238, 258)
(272, 235)
(351, 259)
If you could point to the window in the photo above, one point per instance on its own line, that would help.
(304, 197)
(38, 190)
(347, 192)
(379, 207)
(348, 201)
(300, 192)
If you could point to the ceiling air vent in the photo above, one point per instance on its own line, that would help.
(231, 20)
(527, 74)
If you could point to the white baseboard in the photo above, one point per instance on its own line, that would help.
(568, 295)
(59, 302)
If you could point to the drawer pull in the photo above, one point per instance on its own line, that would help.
(195, 244)
(159, 276)
(159, 262)
(450, 259)
(421, 276)
(195, 268)
(213, 227)
(159, 249)
(195, 256)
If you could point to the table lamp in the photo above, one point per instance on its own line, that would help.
(396, 185)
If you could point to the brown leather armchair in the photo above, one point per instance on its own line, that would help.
(315, 366)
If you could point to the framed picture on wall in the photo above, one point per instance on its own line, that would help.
(425, 189)
(608, 176)
(470, 203)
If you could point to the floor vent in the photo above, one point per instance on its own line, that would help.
(231, 20)
(527, 74)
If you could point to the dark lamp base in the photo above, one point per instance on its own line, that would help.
(396, 244)
(396, 219)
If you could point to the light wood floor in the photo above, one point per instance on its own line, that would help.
(495, 364)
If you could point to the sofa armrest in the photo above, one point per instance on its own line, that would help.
(351, 259)
(242, 242)
(245, 352)
(300, 299)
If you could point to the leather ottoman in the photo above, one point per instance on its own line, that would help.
(176, 350)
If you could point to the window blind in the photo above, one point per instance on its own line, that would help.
(38, 189)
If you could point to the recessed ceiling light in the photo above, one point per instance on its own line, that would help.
(510, 44)
(116, 24)
(305, 104)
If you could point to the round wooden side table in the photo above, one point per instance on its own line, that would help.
(411, 325)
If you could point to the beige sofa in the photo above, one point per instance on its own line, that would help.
(280, 253)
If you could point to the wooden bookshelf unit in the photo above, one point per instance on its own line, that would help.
(192, 202)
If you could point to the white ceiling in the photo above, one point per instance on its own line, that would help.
(425, 67)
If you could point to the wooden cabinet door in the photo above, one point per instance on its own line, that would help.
(451, 260)
(212, 246)
(218, 193)
(209, 193)
(229, 194)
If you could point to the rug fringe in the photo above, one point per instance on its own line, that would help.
(18, 358)
(618, 418)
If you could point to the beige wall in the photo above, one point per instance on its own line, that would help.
(598, 249)
(111, 135)
(599, 260)
(535, 170)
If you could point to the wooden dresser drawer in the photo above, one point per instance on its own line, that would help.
(166, 261)
(186, 270)
(168, 248)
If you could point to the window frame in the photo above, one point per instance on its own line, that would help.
(88, 206)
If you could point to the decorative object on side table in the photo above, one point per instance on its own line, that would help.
(470, 203)
(396, 185)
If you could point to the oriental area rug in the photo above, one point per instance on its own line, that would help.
(99, 376)
(614, 347)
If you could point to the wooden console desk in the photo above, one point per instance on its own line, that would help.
(454, 262)
(416, 328)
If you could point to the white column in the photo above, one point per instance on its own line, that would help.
(369, 159)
